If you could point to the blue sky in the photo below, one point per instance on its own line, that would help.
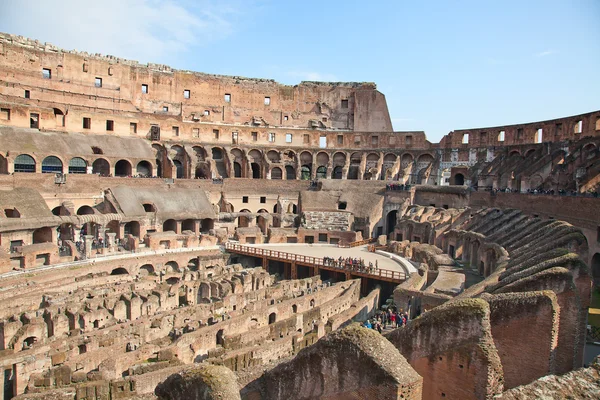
(442, 65)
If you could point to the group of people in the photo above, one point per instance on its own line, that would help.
(354, 264)
(395, 186)
(385, 318)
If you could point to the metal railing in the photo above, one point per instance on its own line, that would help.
(365, 271)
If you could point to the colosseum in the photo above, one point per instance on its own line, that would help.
(170, 234)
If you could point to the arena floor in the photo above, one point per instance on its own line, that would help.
(326, 250)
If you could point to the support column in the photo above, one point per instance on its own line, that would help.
(294, 272)
(110, 241)
(87, 242)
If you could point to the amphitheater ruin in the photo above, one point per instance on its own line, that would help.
(168, 234)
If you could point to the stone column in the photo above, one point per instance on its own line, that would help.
(87, 242)
(110, 241)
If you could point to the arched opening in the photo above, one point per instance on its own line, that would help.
(101, 167)
(82, 348)
(596, 268)
(66, 231)
(206, 225)
(24, 163)
(243, 220)
(322, 172)
(237, 170)
(294, 309)
(3, 165)
(144, 169)
(337, 172)
(170, 225)
(85, 210)
(188, 225)
(178, 169)
(276, 173)
(529, 152)
(312, 303)
(217, 153)
(290, 173)
(305, 173)
(52, 165)
(122, 168)
(193, 264)
(119, 271)
(255, 170)
(29, 341)
(220, 341)
(459, 179)
(272, 318)
(132, 228)
(147, 269)
(77, 165)
(12, 213)
(391, 221)
(42, 235)
(274, 156)
(97, 150)
(171, 266)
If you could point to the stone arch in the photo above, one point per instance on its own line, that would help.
(85, 210)
(132, 228)
(339, 159)
(42, 235)
(306, 158)
(243, 220)
(188, 225)
(123, 168)
(276, 173)
(148, 269)
(322, 172)
(119, 271)
(274, 156)
(514, 153)
(171, 266)
(77, 165)
(24, 163)
(52, 165)
(217, 153)
(101, 166)
(305, 172)
(391, 221)
(272, 318)
(337, 172)
(425, 158)
(529, 152)
(322, 158)
(406, 159)
(290, 173)
(206, 225)
(144, 168)
(170, 225)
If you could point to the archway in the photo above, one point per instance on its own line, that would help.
(337, 172)
(77, 165)
(171, 266)
(237, 170)
(188, 225)
(101, 167)
(119, 271)
(459, 179)
(85, 210)
(178, 168)
(243, 220)
(147, 269)
(42, 235)
(24, 163)
(122, 168)
(272, 318)
(391, 221)
(290, 173)
(206, 225)
(52, 165)
(144, 169)
(170, 225)
(276, 173)
(132, 228)
(255, 170)
(322, 172)
(305, 172)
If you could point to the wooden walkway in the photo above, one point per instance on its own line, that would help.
(314, 262)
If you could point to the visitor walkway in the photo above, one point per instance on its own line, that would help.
(317, 263)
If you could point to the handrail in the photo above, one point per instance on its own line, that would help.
(361, 242)
(313, 261)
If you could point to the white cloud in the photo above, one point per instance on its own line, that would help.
(144, 30)
(545, 53)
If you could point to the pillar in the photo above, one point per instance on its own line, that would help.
(87, 242)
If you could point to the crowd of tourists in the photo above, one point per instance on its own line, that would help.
(549, 192)
(390, 318)
(352, 264)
